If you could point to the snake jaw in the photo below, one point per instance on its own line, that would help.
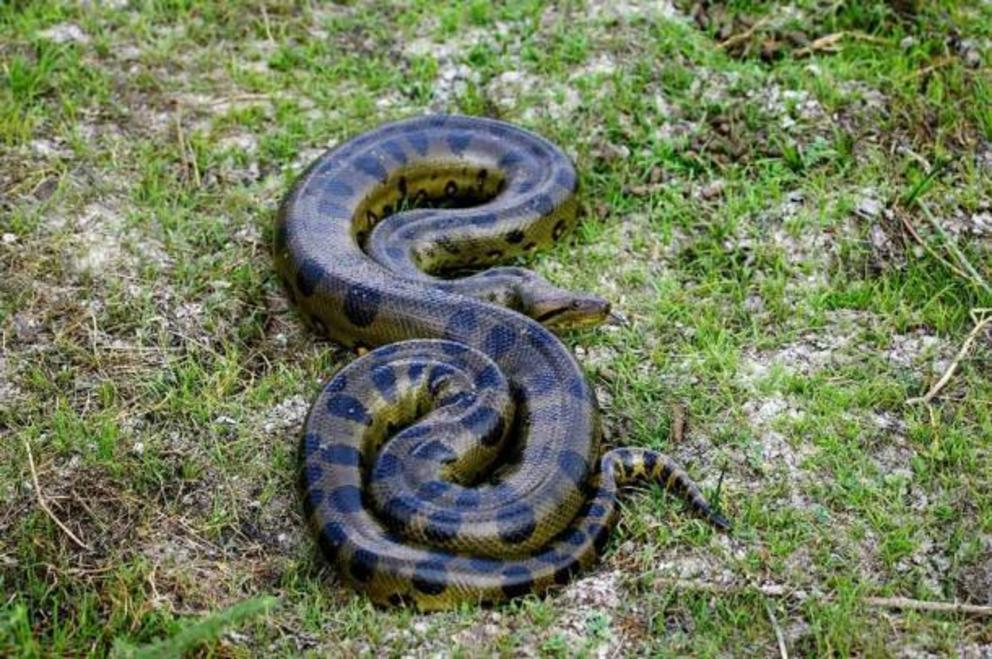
(563, 310)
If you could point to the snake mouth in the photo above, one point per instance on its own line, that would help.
(575, 312)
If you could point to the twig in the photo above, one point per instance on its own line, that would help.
(778, 590)
(741, 37)
(44, 504)
(823, 43)
(828, 41)
(782, 650)
(980, 324)
(924, 605)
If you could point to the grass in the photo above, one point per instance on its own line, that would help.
(746, 206)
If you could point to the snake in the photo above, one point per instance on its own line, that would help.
(458, 458)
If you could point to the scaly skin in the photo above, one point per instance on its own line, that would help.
(460, 461)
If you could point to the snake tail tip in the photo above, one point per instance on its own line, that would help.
(720, 522)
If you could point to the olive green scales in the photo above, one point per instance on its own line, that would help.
(460, 461)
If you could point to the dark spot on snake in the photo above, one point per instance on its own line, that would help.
(396, 599)
(516, 524)
(348, 407)
(650, 462)
(459, 141)
(493, 255)
(400, 510)
(363, 564)
(370, 165)
(542, 204)
(387, 210)
(549, 557)
(509, 160)
(529, 246)
(384, 380)
(499, 341)
(308, 277)
(401, 185)
(416, 370)
(468, 499)
(419, 142)
(559, 229)
(346, 499)
(395, 151)
(573, 465)
(453, 348)
(338, 187)
(435, 450)
(484, 565)
(448, 245)
(337, 383)
(330, 539)
(370, 218)
(515, 236)
(595, 510)
(430, 576)
(480, 420)
(442, 526)
(433, 489)
(574, 537)
(386, 467)
(450, 189)
(341, 454)
(488, 378)
(361, 305)
(517, 580)
(437, 375)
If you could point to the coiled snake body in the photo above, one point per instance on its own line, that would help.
(460, 460)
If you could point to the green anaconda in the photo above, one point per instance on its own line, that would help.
(460, 460)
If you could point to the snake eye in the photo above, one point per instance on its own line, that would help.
(576, 304)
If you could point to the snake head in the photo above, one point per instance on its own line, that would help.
(560, 310)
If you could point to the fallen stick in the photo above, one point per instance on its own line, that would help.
(778, 590)
(925, 605)
(44, 504)
(741, 37)
(949, 373)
